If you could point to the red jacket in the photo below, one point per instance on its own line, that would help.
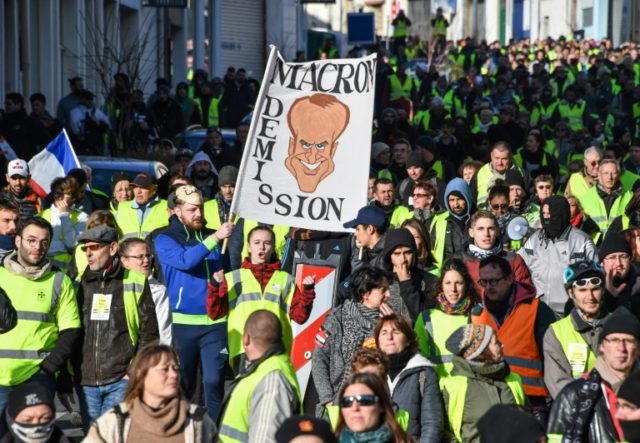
(218, 301)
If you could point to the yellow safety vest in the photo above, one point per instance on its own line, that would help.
(212, 215)
(573, 114)
(627, 179)
(61, 259)
(133, 284)
(456, 387)
(593, 205)
(399, 215)
(439, 226)
(540, 111)
(440, 26)
(400, 29)
(214, 114)
(518, 160)
(127, 218)
(433, 327)
(482, 179)
(234, 426)
(44, 307)
(578, 185)
(246, 296)
(577, 351)
(400, 90)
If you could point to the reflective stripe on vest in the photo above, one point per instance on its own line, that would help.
(127, 218)
(432, 339)
(593, 205)
(456, 387)
(35, 335)
(520, 348)
(399, 90)
(234, 426)
(576, 349)
(246, 296)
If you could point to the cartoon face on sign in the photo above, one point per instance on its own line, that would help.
(315, 122)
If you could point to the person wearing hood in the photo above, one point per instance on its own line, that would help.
(417, 170)
(607, 199)
(203, 174)
(499, 206)
(384, 198)
(190, 113)
(408, 286)
(550, 250)
(585, 410)
(188, 255)
(480, 378)
(622, 281)
(520, 320)
(484, 241)
(449, 229)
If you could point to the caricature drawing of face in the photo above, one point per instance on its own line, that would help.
(316, 122)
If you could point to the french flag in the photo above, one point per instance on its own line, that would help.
(56, 160)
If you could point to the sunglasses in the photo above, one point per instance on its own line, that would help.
(419, 195)
(582, 282)
(363, 400)
(497, 207)
(94, 247)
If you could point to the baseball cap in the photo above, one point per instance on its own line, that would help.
(581, 269)
(18, 167)
(143, 180)
(369, 215)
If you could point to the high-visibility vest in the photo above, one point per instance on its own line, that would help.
(593, 205)
(127, 218)
(482, 179)
(438, 169)
(423, 118)
(438, 230)
(44, 307)
(520, 348)
(332, 414)
(246, 296)
(577, 351)
(578, 185)
(401, 28)
(573, 114)
(214, 113)
(456, 387)
(133, 283)
(539, 110)
(627, 179)
(440, 26)
(212, 215)
(400, 90)
(279, 230)
(234, 426)
(433, 327)
(399, 215)
(61, 259)
(519, 161)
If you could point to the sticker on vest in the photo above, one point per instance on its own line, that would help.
(577, 356)
(276, 287)
(101, 306)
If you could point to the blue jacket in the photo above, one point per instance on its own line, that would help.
(187, 265)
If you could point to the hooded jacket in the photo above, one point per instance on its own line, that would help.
(456, 235)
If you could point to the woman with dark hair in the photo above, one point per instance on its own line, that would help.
(426, 260)
(347, 328)
(366, 412)
(456, 301)
(154, 408)
(412, 382)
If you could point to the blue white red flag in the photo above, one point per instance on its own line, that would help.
(56, 160)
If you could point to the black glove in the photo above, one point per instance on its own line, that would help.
(8, 315)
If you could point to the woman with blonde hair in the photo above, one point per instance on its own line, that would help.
(154, 407)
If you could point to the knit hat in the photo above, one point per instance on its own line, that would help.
(613, 242)
(513, 178)
(228, 176)
(378, 148)
(630, 389)
(469, 341)
(622, 321)
(415, 159)
(508, 423)
(28, 394)
(305, 425)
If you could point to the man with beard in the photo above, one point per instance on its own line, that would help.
(384, 198)
(18, 190)
(9, 219)
(37, 347)
(550, 250)
(622, 281)
(189, 256)
(201, 171)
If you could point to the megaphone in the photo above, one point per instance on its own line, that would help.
(518, 228)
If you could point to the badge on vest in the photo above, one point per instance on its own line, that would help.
(276, 287)
(578, 353)
(101, 307)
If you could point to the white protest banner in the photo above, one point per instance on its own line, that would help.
(306, 162)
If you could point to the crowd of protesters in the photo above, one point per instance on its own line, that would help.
(446, 326)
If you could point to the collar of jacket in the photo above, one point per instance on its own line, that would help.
(148, 204)
(263, 271)
(615, 193)
(582, 326)
(115, 271)
(275, 349)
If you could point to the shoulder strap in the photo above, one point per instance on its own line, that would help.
(121, 418)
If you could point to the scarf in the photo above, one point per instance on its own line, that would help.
(380, 435)
(480, 253)
(12, 265)
(158, 424)
(494, 371)
(503, 220)
(397, 362)
(460, 308)
(575, 221)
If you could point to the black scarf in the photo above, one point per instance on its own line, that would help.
(560, 217)
(397, 362)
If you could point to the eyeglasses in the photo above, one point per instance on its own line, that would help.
(139, 257)
(618, 341)
(497, 207)
(582, 282)
(33, 242)
(419, 195)
(94, 247)
(543, 186)
(484, 282)
(363, 400)
(620, 257)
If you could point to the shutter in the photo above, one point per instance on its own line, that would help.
(243, 36)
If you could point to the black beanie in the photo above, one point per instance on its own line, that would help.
(630, 389)
(508, 423)
(426, 142)
(294, 427)
(613, 242)
(415, 159)
(622, 321)
(513, 177)
(28, 394)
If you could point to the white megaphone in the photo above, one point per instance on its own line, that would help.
(518, 228)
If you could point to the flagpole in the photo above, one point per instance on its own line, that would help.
(273, 54)
(73, 150)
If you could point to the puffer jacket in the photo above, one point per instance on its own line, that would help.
(425, 410)
(548, 259)
(110, 338)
